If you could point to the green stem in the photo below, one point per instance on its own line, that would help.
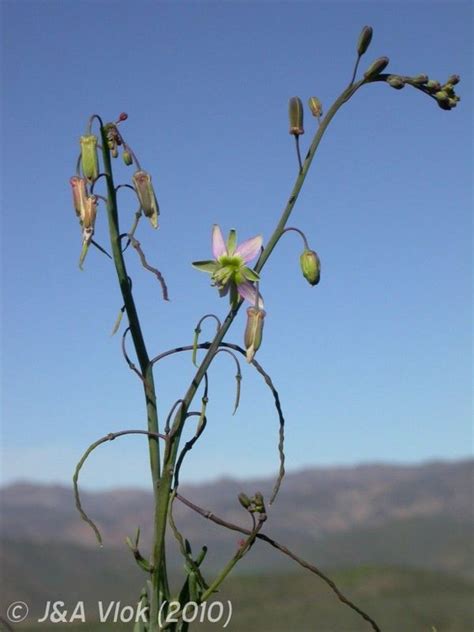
(142, 356)
(171, 451)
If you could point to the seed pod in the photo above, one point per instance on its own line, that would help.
(396, 82)
(376, 67)
(90, 212)
(79, 194)
(295, 112)
(365, 38)
(315, 106)
(253, 331)
(90, 161)
(146, 195)
(310, 266)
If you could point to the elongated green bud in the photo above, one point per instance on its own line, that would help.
(253, 331)
(315, 106)
(376, 67)
(454, 79)
(244, 500)
(259, 502)
(310, 266)
(295, 112)
(79, 194)
(396, 82)
(365, 38)
(89, 159)
(146, 195)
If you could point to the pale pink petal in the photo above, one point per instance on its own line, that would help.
(218, 243)
(249, 248)
(249, 293)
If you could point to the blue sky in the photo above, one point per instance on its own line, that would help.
(373, 364)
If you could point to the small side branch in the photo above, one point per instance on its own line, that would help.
(280, 547)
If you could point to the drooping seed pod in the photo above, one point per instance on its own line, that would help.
(310, 266)
(376, 67)
(295, 113)
(79, 194)
(90, 212)
(89, 159)
(396, 82)
(364, 40)
(315, 106)
(146, 195)
(253, 331)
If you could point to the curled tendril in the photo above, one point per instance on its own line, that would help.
(197, 331)
(125, 355)
(238, 377)
(109, 437)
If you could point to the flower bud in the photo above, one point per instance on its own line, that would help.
(365, 38)
(315, 106)
(127, 157)
(454, 79)
(90, 161)
(244, 500)
(79, 194)
(376, 67)
(420, 80)
(253, 331)
(259, 502)
(396, 82)
(310, 266)
(295, 112)
(146, 195)
(443, 100)
(433, 86)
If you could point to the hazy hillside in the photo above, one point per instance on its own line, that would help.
(417, 517)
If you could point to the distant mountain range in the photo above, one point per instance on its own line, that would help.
(419, 516)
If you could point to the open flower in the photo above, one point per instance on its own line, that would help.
(228, 269)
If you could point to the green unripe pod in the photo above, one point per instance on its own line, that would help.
(295, 113)
(420, 80)
(310, 266)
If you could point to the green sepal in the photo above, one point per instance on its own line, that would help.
(250, 275)
(84, 249)
(206, 266)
